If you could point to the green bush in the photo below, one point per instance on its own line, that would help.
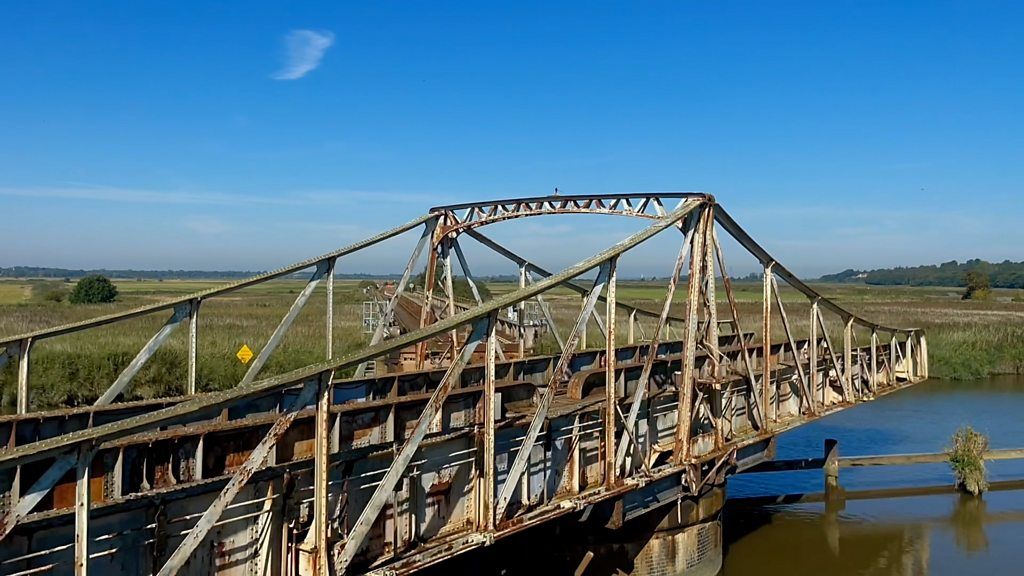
(93, 289)
(49, 292)
(978, 286)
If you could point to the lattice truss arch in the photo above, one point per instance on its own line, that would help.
(728, 390)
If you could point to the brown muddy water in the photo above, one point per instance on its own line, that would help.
(934, 535)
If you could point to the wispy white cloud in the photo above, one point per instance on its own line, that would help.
(319, 197)
(304, 49)
(133, 195)
(207, 225)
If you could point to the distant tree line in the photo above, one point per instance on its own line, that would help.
(130, 274)
(45, 272)
(1004, 274)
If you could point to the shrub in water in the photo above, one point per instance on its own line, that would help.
(967, 458)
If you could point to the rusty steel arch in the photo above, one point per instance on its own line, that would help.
(647, 205)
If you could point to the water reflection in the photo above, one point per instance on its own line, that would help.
(937, 534)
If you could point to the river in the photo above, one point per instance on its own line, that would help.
(937, 534)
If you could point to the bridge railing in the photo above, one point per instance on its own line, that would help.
(656, 417)
(185, 310)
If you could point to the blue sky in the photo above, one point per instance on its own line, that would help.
(249, 135)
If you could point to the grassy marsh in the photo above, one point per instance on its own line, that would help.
(966, 339)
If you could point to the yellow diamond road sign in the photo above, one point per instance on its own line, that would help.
(244, 354)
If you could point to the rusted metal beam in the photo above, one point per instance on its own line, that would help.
(490, 415)
(807, 390)
(206, 403)
(685, 392)
(220, 290)
(873, 382)
(82, 503)
(24, 359)
(476, 214)
(771, 408)
(847, 373)
(252, 464)
(193, 346)
(319, 535)
(640, 392)
(710, 301)
(429, 279)
(531, 267)
(521, 313)
(759, 401)
(154, 344)
(832, 356)
(329, 316)
(449, 289)
(548, 318)
(361, 528)
(741, 236)
(523, 455)
(464, 265)
(385, 318)
(611, 397)
(39, 489)
(286, 322)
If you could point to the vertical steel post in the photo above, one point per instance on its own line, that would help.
(632, 326)
(434, 408)
(813, 352)
(922, 350)
(521, 313)
(643, 383)
(321, 475)
(807, 390)
(908, 357)
(892, 358)
(874, 361)
(330, 307)
(610, 392)
(685, 391)
(522, 459)
(766, 354)
(82, 497)
(23, 361)
(449, 288)
(254, 462)
(760, 401)
(487, 502)
(378, 333)
(583, 327)
(429, 279)
(193, 345)
(847, 374)
(711, 338)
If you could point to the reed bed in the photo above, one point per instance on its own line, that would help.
(966, 340)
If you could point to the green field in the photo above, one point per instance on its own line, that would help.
(966, 339)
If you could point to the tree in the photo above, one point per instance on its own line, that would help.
(93, 289)
(978, 287)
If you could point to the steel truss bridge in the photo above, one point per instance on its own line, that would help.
(309, 472)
